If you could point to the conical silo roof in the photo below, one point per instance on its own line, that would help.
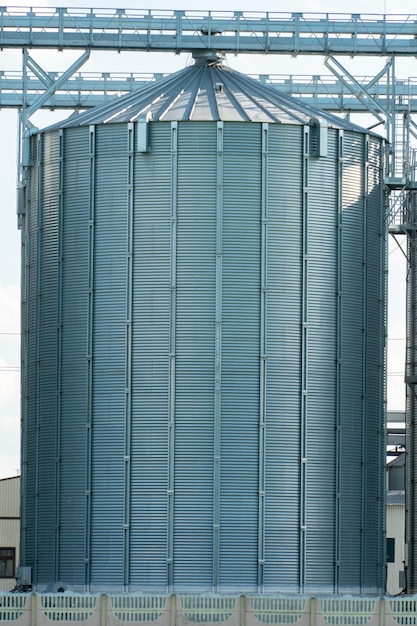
(208, 90)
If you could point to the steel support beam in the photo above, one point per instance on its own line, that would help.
(88, 89)
(236, 32)
(358, 90)
(56, 84)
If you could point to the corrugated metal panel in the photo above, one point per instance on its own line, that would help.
(322, 355)
(375, 330)
(283, 362)
(73, 375)
(151, 357)
(352, 369)
(10, 496)
(108, 352)
(195, 336)
(10, 526)
(47, 355)
(240, 356)
(24, 314)
(411, 406)
(29, 470)
(202, 379)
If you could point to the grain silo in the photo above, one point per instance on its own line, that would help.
(203, 355)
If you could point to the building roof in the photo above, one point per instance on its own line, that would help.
(395, 497)
(398, 461)
(207, 91)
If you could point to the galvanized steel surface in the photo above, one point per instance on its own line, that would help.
(9, 527)
(207, 91)
(411, 410)
(233, 31)
(204, 358)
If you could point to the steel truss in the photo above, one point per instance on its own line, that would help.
(234, 31)
(88, 89)
(391, 102)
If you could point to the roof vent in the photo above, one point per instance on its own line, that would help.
(208, 57)
(143, 131)
(320, 137)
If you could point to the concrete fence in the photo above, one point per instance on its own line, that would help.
(175, 610)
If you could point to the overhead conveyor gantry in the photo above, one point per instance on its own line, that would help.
(391, 101)
(326, 34)
(235, 32)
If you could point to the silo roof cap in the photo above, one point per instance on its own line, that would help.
(208, 91)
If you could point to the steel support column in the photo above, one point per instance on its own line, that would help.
(263, 358)
(59, 351)
(128, 353)
(218, 359)
(90, 356)
(339, 378)
(411, 391)
(172, 357)
(39, 148)
(304, 359)
(365, 347)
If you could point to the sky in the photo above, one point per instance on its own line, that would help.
(165, 62)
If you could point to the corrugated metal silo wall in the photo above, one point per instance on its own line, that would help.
(204, 354)
(411, 407)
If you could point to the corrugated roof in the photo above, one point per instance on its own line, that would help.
(207, 91)
(395, 497)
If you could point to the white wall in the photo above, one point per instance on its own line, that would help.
(395, 529)
(9, 522)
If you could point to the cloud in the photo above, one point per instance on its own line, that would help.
(9, 446)
(9, 387)
(34, 4)
(9, 379)
(10, 308)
